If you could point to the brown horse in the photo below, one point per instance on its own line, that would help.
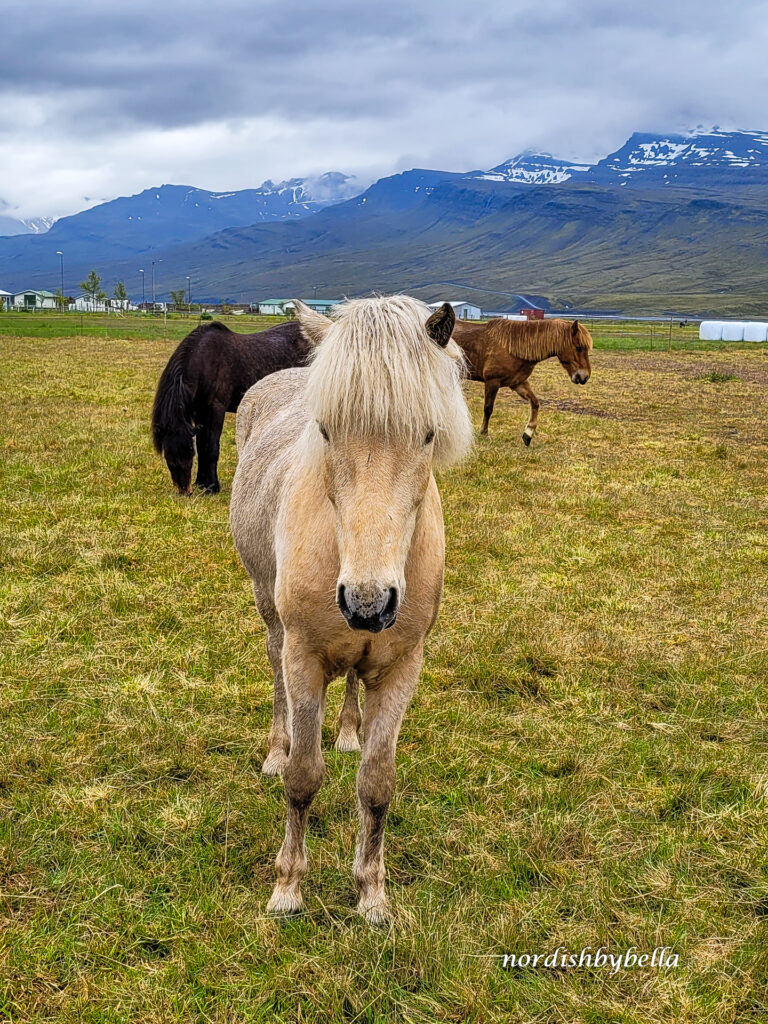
(503, 353)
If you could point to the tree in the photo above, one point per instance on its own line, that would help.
(178, 297)
(61, 299)
(120, 294)
(92, 286)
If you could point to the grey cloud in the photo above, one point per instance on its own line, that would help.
(454, 81)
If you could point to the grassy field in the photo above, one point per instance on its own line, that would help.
(608, 334)
(584, 763)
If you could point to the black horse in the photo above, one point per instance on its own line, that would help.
(206, 377)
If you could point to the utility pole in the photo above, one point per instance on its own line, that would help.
(189, 294)
(153, 283)
(143, 294)
(60, 254)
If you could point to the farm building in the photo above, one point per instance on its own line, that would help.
(34, 299)
(520, 306)
(284, 307)
(87, 304)
(463, 310)
(733, 330)
(5, 298)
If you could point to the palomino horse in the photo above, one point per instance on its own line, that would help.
(503, 353)
(336, 515)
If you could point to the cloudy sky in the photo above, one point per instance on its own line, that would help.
(99, 100)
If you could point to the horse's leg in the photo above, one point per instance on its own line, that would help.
(350, 717)
(303, 772)
(491, 387)
(525, 392)
(385, 702)
(279, 738)
(208, 437)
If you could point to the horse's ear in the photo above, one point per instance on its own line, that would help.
(440, 325)
(313, 325)
(575, 328)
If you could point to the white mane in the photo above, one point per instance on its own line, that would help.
(377, 373)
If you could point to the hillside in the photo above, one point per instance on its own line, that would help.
(665, 223)
(581, 246)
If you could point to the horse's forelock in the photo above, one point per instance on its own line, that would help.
(378, 374)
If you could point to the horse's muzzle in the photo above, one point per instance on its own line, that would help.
(369, 608)
(579, 376)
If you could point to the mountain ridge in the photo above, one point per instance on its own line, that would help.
(695, 241)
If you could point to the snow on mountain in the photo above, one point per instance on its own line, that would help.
(534, 169)
(38, 225)
(701, 156)
(711, 155)
(11, 224)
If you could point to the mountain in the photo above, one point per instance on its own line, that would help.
(579, 245)
(666, 222)
(180, 213)
(711, 158)
(156, 217)
(533, 169)
(10, 224)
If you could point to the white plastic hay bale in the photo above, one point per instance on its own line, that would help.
(710, 330)
(733, 331)
(755, 331)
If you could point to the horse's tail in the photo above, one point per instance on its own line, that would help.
(173, 429)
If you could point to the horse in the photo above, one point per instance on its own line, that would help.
(205, 378)
(503, 353)
(336, 515)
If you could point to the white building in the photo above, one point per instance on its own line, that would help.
(5, 298)
(87, 304)
(34, 299)
(285, 307)
(463, 310)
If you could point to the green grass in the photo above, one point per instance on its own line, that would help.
(584, 762)
(141, 326)
(607, 334)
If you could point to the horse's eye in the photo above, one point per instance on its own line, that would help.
(430, 437)
(323, 431)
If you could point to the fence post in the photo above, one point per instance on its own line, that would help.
(669, 340)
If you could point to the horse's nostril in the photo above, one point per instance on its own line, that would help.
(391, 606)
(341, 600)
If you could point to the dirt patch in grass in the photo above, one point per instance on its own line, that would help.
(751, 367)
(568, 405)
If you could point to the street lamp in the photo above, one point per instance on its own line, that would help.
(189, 292)
(143, 294)
(60, 254)
(153, 283)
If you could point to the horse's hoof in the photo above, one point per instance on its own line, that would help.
(347, 742)
(527, 439)
(212, 489)
(375, 914)
(274, 763)
(285, 904)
